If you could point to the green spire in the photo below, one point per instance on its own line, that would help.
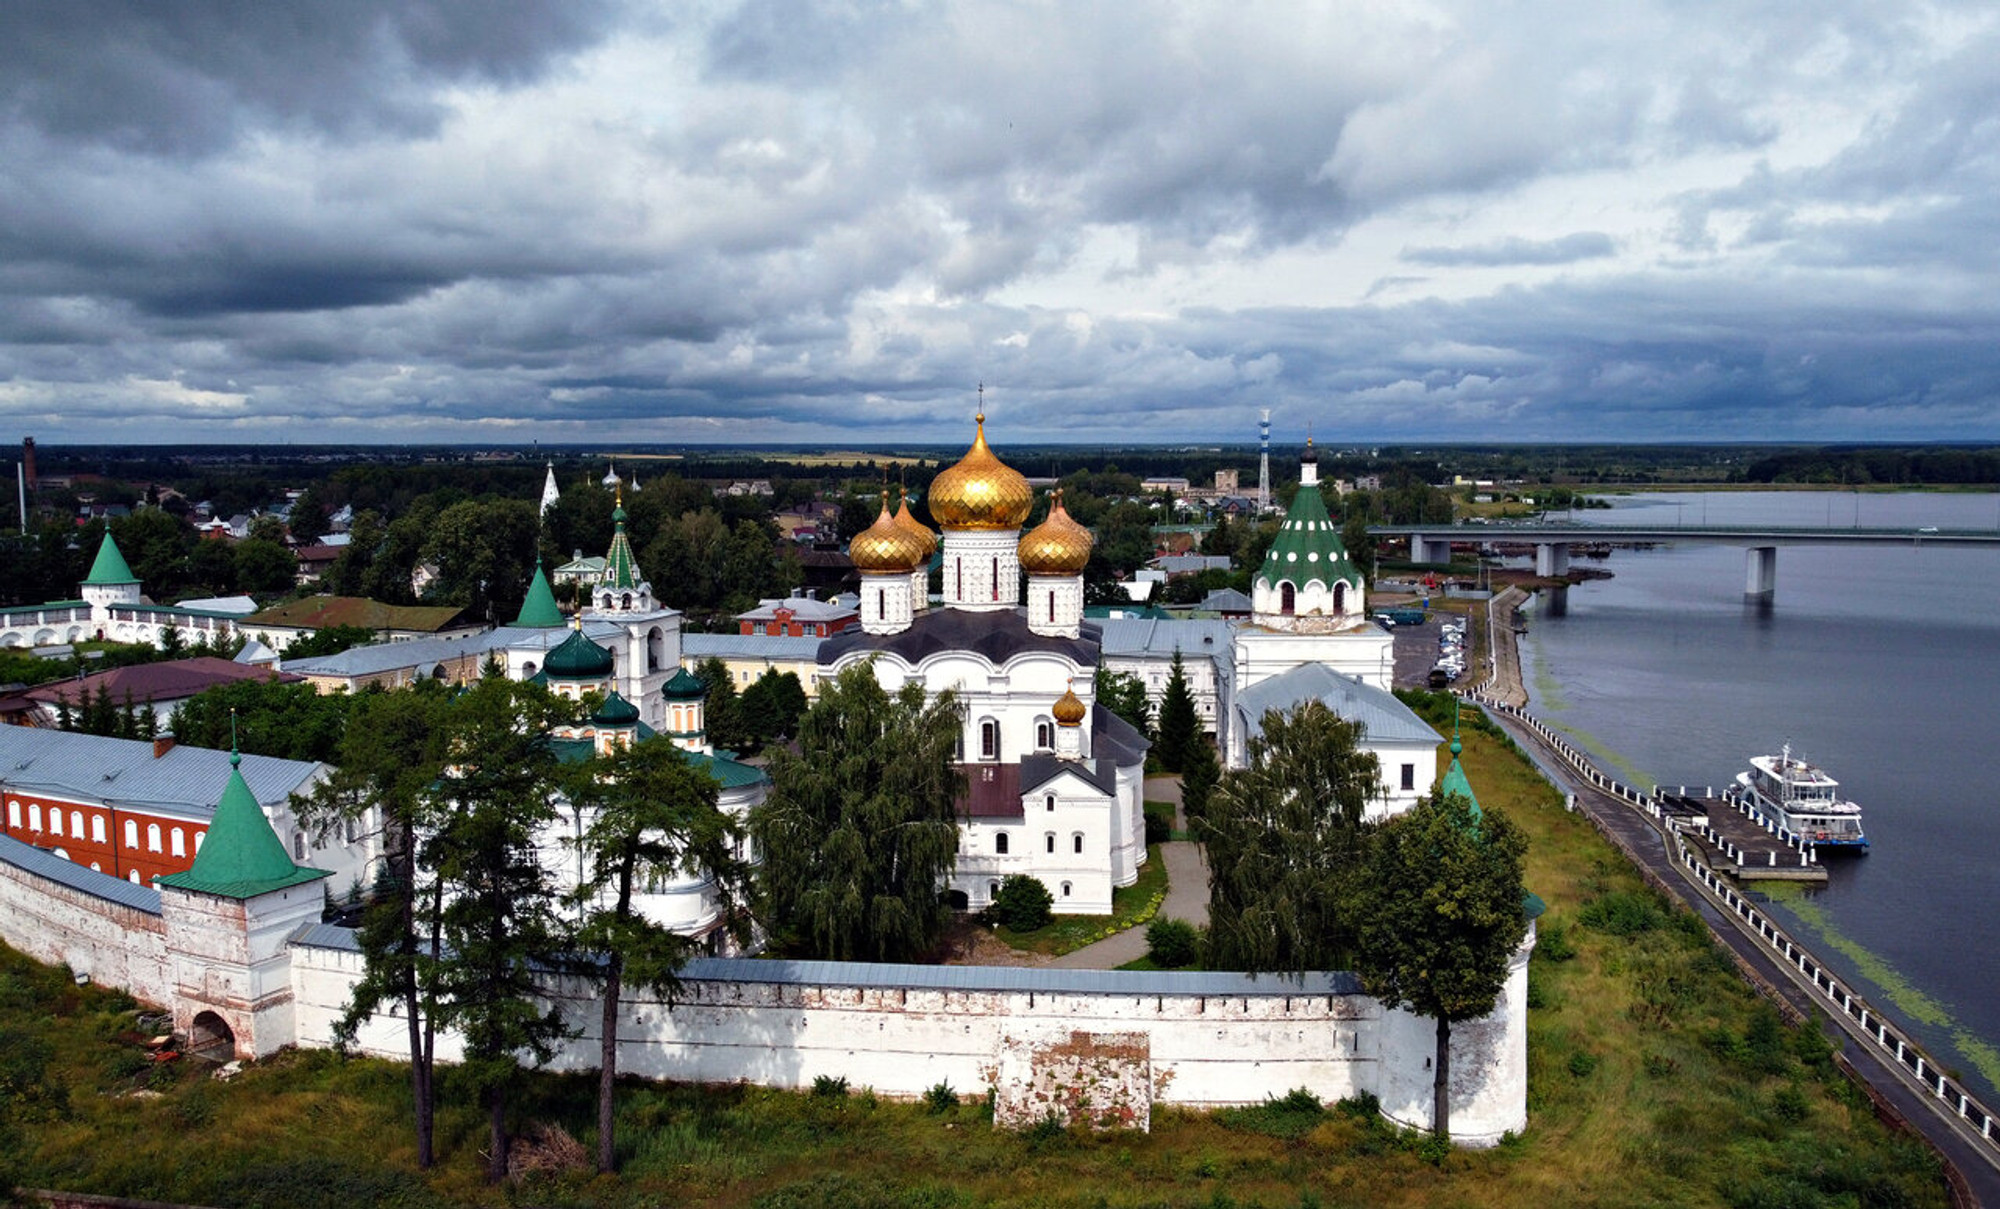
(1454, 780)
(621, 567)
(110, 567)
(242, 857)
(539, 611)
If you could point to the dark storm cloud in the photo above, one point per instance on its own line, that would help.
(784, 221)
(194, 75)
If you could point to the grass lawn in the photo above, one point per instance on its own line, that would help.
(1130, 905)
(1655, 1078)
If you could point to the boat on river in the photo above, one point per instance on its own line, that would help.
(1800, 798)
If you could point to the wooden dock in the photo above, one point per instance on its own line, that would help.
(1734, 841)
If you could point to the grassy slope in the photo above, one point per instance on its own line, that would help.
(1656, 1077)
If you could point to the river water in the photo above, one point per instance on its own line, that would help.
(1879, 663)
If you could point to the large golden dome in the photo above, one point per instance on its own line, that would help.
(981, 492)
(914, 527)
(886, 546)
(1057, 546)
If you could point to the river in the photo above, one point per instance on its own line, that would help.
(1879, 663)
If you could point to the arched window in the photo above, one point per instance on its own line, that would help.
(1000, 843)
(96, 868)
(1287, 598)
(152, 837)
(1049, 802)
(132, 875)
(97, 828)
(298, 845)
(989, 740)
(55, 821)
(34, 816)
(528, 670)
(1076, 843)
(625, 601)
(992, 889)
(1052, 608)
(881, 603)
(13, 812)
(179, 842)
(1065, 889)
(996, 577)
(1045, 734)
(199, 836)
(1050, 840)
(1340, 596)
(131, 834)
(76, 823)
(656, 649)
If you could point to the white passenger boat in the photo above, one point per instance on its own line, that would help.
(1800, 798)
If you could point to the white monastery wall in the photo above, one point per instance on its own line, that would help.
(115, 944)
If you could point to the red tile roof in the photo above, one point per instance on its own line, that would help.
(153, 682)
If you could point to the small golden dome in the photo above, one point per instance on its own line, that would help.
(981, 492)
(1057, 546)
(915, 527)
(1069, 708)
(886, 546)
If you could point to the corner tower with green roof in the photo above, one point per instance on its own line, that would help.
(110, 582)
(1308, 584)
(228, 920)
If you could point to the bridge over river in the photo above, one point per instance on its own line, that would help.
(1552, 540)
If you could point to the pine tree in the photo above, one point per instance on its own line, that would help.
(1180, 723)
(722, 713)
(1198, 780)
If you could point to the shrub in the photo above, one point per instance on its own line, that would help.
(1623, 913)
(1582, 1063)
(1023, 903)
(1552, 943)
(1789, 1104)
(1172, 943)
(1159, 823)
(829, 1086)
(940, 1099)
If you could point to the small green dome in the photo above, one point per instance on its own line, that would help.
(616, 711)
(685, 686)
(578, 658)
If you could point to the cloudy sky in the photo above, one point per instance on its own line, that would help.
(393, 220)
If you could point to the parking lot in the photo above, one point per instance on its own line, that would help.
(1417, 650)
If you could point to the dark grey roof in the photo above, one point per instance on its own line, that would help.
(959, 978)
(1383, 718)
(998, 636)
(1113, 738)
(1042, 767)
(1225, 600)
(30, 859)
(92, 768)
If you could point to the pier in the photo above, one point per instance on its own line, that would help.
(1733, 840)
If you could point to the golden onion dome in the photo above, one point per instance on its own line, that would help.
(1069, 708)
(1057, 546)
(914, 527)
(886, 546)
(981, 491)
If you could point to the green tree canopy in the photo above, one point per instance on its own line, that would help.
(1125, 695)
(1286, 842)
(1440, 914)
(860, 830)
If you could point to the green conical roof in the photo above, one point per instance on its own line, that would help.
(685, 686)
(242, 857)
(539, 611)
(621, 567)
(110, 567)
(1454, 780)
(1308, 545)
(578, 658)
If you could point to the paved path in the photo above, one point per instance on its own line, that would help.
(1635, 834)
(1187, 893)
